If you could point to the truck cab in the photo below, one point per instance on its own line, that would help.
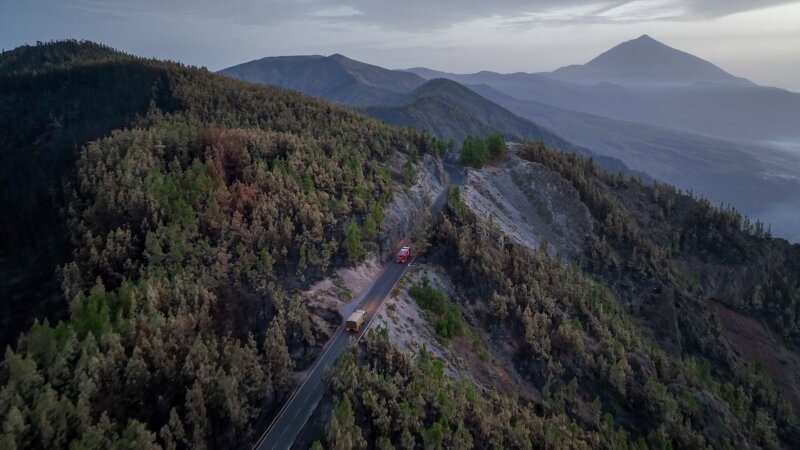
(355, 321)
(403, 255)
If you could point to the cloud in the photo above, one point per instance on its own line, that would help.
(337, 11)
(418, 15)
(412, 15)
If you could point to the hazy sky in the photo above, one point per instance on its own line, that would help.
(756, 39)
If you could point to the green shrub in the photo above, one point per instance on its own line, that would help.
(448, 322)
(476, 152)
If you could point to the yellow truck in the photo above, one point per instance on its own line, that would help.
(355, 321)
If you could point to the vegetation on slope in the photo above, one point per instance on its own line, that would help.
(620, 344)
(448, 322)
(578, 345)
(186, 231)
(653, 232)
(476, 152)
(393, 401)
(31, 59)
(54, 99)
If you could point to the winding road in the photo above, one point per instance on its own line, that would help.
(296, 411)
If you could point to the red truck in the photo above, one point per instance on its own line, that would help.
(403, 255)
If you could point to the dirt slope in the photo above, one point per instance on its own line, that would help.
(530, 204)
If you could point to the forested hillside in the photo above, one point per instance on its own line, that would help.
(158, 221)
(656, 234)
(183, 209)
(54, 99)
(41, 57)
(623, 344)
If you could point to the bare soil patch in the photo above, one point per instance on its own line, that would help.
(757, 343)
(473, 356)
(530, 204)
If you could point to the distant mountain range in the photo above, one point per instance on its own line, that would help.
(335, 78)
(440, 106)
(648, 82)
(657, 109)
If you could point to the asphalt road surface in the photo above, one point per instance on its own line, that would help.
(294, 414)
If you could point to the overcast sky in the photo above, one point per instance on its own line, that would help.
(756, 39)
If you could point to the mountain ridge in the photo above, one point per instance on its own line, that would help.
(335, 78)
(61, 54)
(720, 106)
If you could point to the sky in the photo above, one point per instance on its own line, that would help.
(755, 39)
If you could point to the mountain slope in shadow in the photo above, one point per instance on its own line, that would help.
(451, 111)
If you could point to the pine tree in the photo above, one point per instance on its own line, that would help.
(52, 418)
(345, 377)
(196, 416)
(136, 373)
(409, 174)
(355, 251)
(136, 435)
(496, 146)
(173, 434)
(278, 359)
(299, 322)
(342, 432)
(474, 152)
(370, 228)
(13, 429)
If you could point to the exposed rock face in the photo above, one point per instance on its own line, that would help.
(411, 204)
(530, 204)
